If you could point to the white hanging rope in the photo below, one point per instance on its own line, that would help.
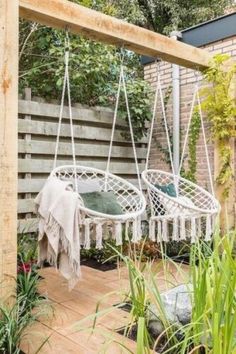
(188, 128)
(60, 120)
(196, 97)
(70, 110)
(159, 90)
(152, 122)
(205, 145)
(114, 122)
(122, 83)
(131, 129)
(166, 127)
(66, 83)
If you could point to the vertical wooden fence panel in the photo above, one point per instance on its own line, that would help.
(8, 144)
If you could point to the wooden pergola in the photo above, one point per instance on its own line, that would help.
(80, 20)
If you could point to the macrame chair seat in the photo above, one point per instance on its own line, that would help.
(180, 209)
(192, 208)
(130, 199)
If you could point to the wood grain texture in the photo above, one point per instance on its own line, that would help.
(107, 29)
(8, 144)
(69, 324)
(48, 148)
(98, 116)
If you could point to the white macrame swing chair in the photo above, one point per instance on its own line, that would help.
(130, 198)
(188, 211)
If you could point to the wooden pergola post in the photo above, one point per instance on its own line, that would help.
(8, 144)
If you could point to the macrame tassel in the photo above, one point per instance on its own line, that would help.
(165, 235)
(82, 217)
(139, 229)
(199, 227)
(214, 223)
(152, 225)
(175, 229)
(87, 234)
(98, 231)
(127, 224)
(193, 230)
(118, 233)
(134, 231)
(159, 231)
(182, 228)
(208, 228)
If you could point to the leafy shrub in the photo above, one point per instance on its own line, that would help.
(29, 304)
(94, 72)
(107, 254)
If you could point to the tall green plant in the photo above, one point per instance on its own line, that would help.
(219, 104)
(212, 329)
(214, 295)
(194, 133)
(14, 321)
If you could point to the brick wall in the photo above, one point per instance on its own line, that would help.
(187, 80)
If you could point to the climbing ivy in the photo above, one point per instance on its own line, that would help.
(194, 133)
(220, 108)
(163, 148)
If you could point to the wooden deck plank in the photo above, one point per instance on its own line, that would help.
(55, 343)
(70, 327)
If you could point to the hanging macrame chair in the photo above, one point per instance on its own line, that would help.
(130, 199)
(180, 209)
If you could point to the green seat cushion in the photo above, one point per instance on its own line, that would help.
(102, 202)
(167, 189)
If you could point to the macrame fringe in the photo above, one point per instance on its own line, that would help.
(127, 227)
(182, 228)
(87, 223)
(139, 228)
(159, 231)
(98, 230)
(134, 231)
(175, 229)
(208, 228)
(193, 229)
(152, 227)
(199, 227)
(165, 236)
(118, 233)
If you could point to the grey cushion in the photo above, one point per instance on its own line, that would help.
(103, 202)
(88, 186)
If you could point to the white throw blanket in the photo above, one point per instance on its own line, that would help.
(59, 240)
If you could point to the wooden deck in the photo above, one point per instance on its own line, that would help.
(65, 326)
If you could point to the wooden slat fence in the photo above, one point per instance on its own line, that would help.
(37, 128)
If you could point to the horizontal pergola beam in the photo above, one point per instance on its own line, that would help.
(107, 29)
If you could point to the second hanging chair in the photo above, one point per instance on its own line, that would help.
(180, 209)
